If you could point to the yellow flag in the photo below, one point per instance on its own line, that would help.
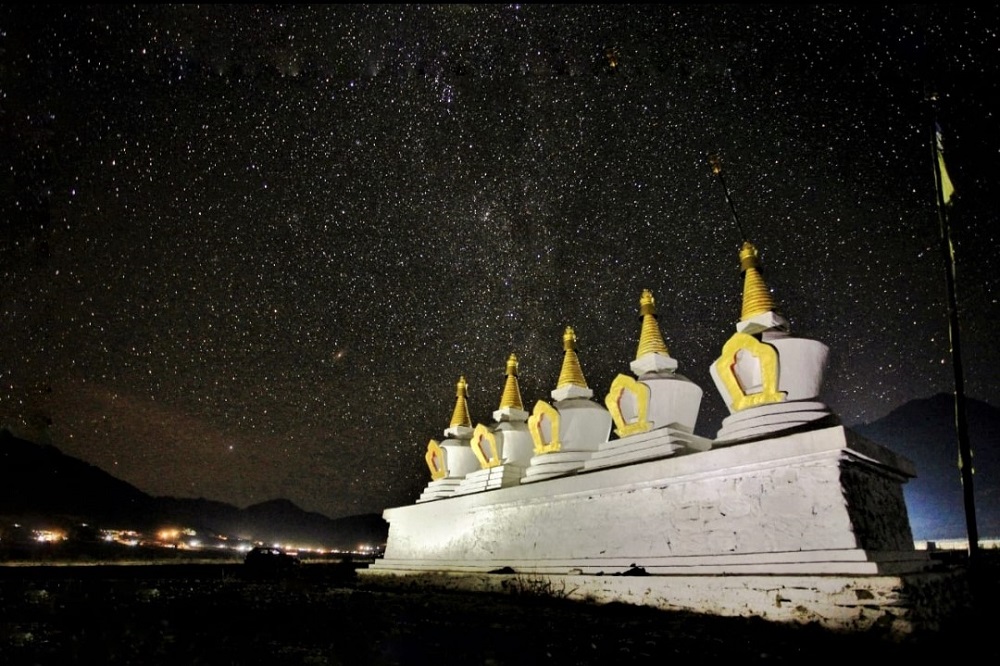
(947, 189)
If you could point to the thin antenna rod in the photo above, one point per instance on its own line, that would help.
(717, 170)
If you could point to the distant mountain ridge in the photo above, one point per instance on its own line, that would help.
(924, 431)
(39, 481)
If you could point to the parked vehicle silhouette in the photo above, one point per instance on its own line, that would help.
(270, 560)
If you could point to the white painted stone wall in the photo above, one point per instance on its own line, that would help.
(816, 502)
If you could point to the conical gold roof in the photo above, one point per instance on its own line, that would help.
(651, 339)
(756, 296)
(511, 391)
(460, 417)
(571, 373)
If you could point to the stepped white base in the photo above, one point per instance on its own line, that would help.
(769, 420)
(491, 478)
(651, 445)
(558, 463)
(439, 489)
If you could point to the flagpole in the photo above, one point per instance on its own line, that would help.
(961, 422)
(716, 164)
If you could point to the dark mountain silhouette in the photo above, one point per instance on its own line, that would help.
(279, 521)
(924, 431)
(40, 482)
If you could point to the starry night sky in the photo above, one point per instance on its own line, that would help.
(247, 251)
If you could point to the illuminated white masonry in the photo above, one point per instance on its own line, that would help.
(769, 380)
(654, 414)
(449, 461)
(566, 434)
(819, 502)
(503, 450)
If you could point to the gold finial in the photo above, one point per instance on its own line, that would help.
(511, 392)
(460, 417)
(756, 296)
(571, 373)
(716, 164)
(651, 339)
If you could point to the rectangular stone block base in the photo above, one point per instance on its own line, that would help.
(894, 606)
(810, 526)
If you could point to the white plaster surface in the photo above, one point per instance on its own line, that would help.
(514, 442)
(459, 459)
(801, 366)
(809, 527)
(825, 492)
(653, 362)
(571, 391)
(766, 321)
(643, 446)
(674, 400)
(490, 478)
(802, 363)
(771, 418)
(510, 414)
(583, 424)
(439, 489)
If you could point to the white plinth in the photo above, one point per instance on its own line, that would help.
(824, 501)
(491, 478)
(892, 605)
(650, 445)
(458, 458)
(559, 463)
(439, 489)
(819, 503)
(769, 419)
(807, 527)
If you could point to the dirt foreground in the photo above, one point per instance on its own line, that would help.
(323, 614)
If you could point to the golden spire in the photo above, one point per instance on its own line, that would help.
(511, 392)
(571, 373)
(460, 417)
(756, 296)
(651, 339)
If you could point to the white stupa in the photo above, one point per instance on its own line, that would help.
(654, 413)
(566, 434)
(449, 461)
(769, 379)
(505, 448)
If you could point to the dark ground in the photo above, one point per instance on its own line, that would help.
(322, 614)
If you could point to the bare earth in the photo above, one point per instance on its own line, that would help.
(216, 614)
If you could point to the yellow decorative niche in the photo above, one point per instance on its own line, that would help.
(765, 355)
(544, 412)
(484, 445)
(435, 460)
(628, 402)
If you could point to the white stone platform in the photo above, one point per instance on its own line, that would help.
(439, 489)
(760, 421)
(765, 516)
(650, 445)
(551, 465)
(895, 606)
(491, 478)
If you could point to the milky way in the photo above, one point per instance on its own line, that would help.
(249, 250)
